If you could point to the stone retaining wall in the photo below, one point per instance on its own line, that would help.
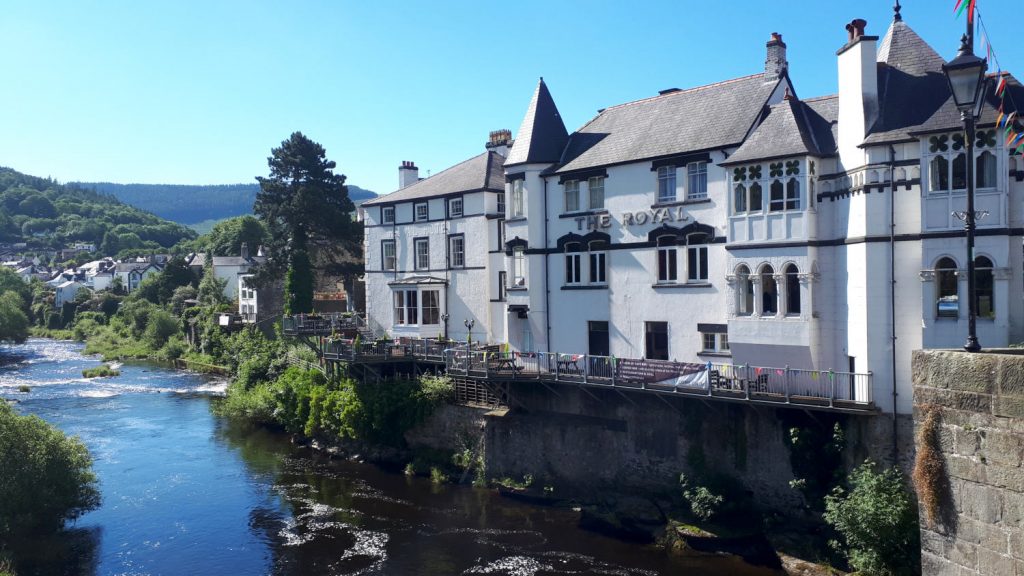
(979, 399)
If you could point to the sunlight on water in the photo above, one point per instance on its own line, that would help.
(187, 493)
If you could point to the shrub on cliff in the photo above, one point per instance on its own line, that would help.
(46, 476)
(877, 520)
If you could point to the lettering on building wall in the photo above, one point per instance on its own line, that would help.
(640, 218)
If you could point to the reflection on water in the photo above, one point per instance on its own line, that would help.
(187, 493)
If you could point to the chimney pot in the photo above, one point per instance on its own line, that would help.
(855, 29)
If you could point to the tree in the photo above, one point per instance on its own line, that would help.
(45, 476)
(211, 288)
(13, 321)
(305, 207)
(226, 238)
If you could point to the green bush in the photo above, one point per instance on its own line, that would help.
(160, 326)
(256, 403)
(100, 372)
(704, 504)
(877, 520)
(46, 477)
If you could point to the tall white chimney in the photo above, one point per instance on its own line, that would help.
(408, 174)
(858, 92)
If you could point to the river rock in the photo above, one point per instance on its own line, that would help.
(689, 541)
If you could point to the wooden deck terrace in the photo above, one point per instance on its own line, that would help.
(825, 390)
(321, 324)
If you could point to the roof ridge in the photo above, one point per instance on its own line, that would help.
(452, 167)
(820, 98)
(680, 92)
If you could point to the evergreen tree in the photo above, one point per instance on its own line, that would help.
(306, 208)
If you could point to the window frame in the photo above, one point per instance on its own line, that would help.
(767, 275)
(984, 285)
(667, 264)
(571, 189)
(947, 275)
(434, 310)
(792, 290)
(519, 267)
(651, 346)
(518, 209)
(456, 258)
(384, 255)
(591, 203)
(502, 284)
(501, 203)
(387, 215)
(416, 242)
(416, 212)
(452, 203)
(597, 272)
(697, 180)
(573, 268)
(667, 185)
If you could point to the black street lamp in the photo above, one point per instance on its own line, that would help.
(966, 76)
(469, 327)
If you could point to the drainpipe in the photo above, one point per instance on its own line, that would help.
(547, 289)
(892, 294)
(447, 267)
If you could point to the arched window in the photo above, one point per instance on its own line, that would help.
(777, 202)
(745, 283)
(697, 257)
(984, 288)
(667, 266)
(986, 170)
(793, 194)
(938, 172)
(947, 303)
(960, 172)
(739, 204)
(755, 204)
(598, 260)
(792, 290)
(573, 263)
(769, 292)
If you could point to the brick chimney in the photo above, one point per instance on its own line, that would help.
(408, 174)
(499, 141)
(775, 65)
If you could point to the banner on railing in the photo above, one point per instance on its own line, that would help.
(680, 374)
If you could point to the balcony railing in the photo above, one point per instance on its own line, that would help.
(728, 381)
(321, 324)
(822, 389)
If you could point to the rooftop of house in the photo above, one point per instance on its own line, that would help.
(479, 173)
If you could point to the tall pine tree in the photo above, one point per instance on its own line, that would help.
(306, 208)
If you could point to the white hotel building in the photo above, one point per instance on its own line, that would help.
(733, 222)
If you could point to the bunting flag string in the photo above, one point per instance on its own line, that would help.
(1006, 120)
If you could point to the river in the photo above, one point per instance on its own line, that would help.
(186, 492)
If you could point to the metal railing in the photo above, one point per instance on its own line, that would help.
(321, 323)
(740, 382)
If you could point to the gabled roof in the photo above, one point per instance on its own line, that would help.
(911, 85)
(483, 172)
(704, 118)
(792, 128)
(237, 261)
(133, 266)
(542, 136)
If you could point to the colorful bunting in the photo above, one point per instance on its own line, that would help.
(1001, 84)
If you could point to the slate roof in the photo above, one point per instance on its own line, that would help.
(704, 118)
(130, 266)
(947, 117)
(483, 172)
(542, 135)
(792, 128)
(911, 85)
(237, 261)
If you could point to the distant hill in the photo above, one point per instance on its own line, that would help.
(49, 215)
(189, 204)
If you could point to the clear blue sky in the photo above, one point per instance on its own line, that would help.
(198, 92)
